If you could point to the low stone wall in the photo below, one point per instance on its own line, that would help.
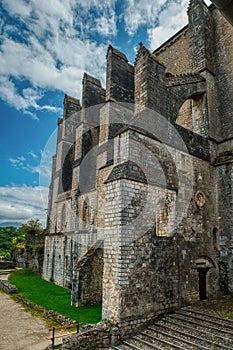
(91, 337)
(7, 264)
(55, 316)
(8, 287)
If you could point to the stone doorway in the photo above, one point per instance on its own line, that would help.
(202, 283)
(202, 266)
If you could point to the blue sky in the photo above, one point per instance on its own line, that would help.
(45, 47)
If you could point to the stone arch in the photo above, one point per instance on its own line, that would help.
(186, 89)
(184, 116)
(204, 261)
(192, 114)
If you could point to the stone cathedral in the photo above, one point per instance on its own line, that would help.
(140, 213)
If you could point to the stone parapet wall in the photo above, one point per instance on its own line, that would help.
(7, 264)
(91, 337)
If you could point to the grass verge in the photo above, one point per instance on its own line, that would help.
(52, 297)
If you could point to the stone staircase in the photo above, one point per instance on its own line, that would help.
(186, 329)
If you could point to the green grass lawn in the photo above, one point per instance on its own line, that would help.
(52, 297)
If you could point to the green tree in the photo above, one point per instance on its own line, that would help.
(6, 255)
(6, 235)
(18, 242)
(33, 226)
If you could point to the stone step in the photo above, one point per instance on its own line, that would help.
(126, 346)
(5, 272)
(184, 337)
(172, 339)
(200, 326)
(222, 320)
(186, 329)
(143, 344)
(216, 327)
(194, 333)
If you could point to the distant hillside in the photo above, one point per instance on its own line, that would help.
(10, 224)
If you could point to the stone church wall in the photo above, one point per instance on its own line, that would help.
(175, 53)
(223, 54)
(158, 192)
(149, 268)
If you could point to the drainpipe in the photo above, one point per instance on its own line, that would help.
(226, 8)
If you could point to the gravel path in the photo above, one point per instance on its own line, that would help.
(19, 329)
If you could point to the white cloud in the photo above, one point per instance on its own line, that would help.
(33, 154)
(19, 204)
(41, 165)
(17, 8)
(152, 14)
(51, 43)
(106, 26)
(139, 12)
(17, 162)
(163, 18)
(28, 98)
(48, 33)
(171, 19)
(10, 94)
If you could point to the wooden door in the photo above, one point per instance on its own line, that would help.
(202, 283)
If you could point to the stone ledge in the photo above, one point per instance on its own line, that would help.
(183, 79)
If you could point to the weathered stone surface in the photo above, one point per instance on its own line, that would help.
(88, 277)
(32, 255)
(92, 337)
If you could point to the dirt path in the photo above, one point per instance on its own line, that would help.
(19, 329)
